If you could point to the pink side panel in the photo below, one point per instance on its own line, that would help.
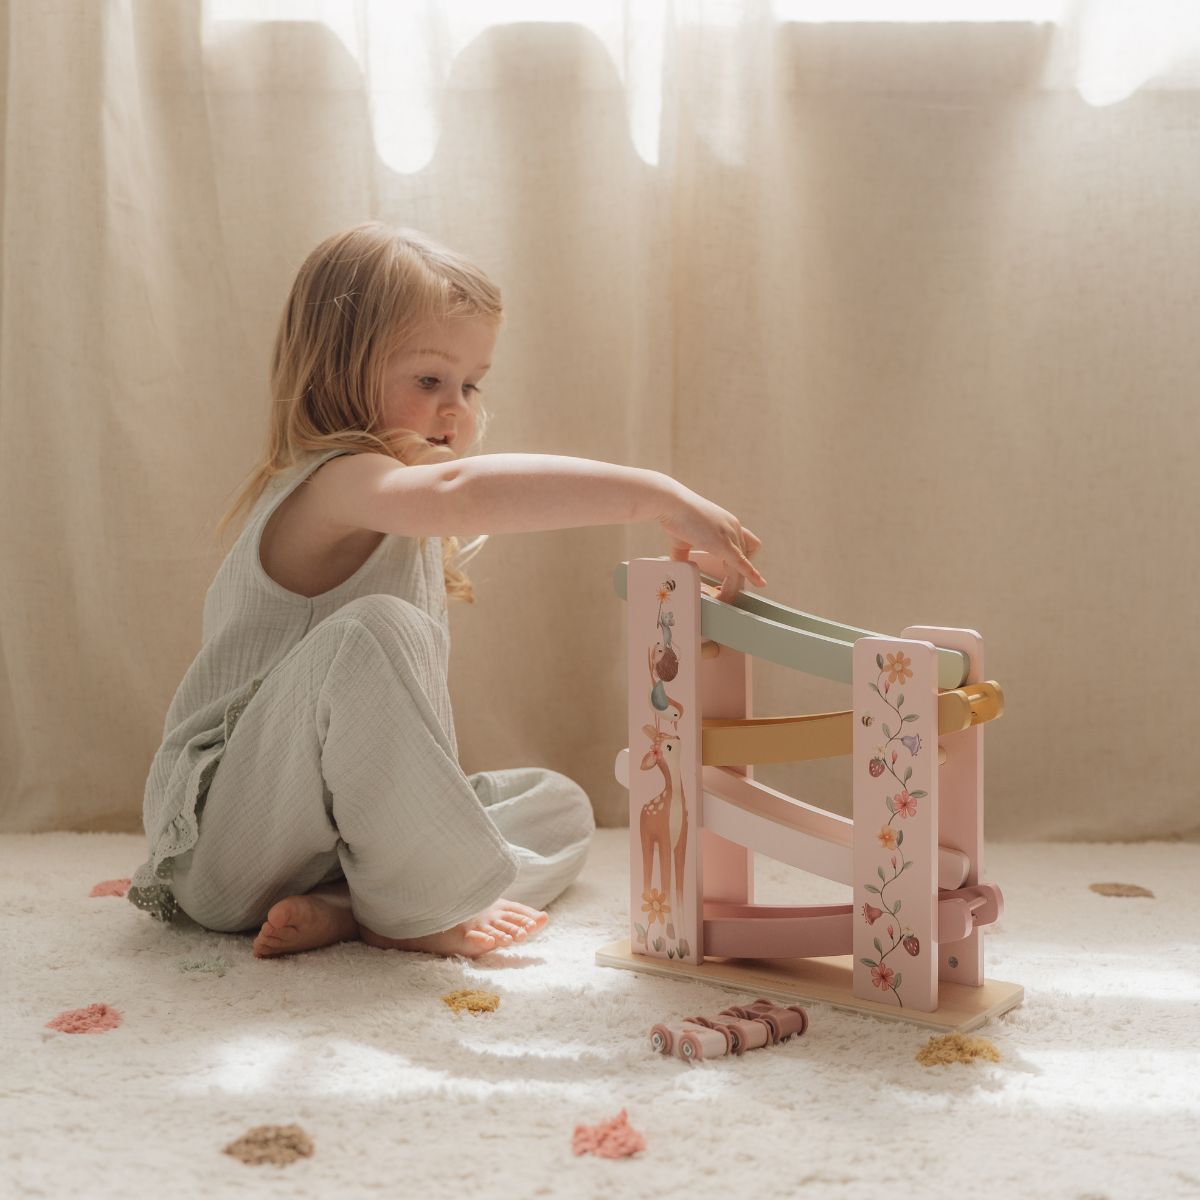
(895, 784)
(665, 797)
(961, 808)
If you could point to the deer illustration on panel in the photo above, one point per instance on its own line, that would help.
(664, 817)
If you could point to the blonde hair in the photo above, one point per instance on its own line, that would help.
(357, 299)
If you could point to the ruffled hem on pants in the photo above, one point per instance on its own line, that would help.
(150, 888)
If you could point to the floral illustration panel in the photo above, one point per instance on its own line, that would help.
(895, 773)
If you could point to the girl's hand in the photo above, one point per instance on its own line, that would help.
(693, 521)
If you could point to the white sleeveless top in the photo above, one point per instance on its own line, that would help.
(250, 624)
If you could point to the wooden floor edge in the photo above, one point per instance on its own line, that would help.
(823, 981)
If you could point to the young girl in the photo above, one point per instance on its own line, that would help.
(308, 784)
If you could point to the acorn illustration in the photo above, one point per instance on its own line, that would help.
(667, 665)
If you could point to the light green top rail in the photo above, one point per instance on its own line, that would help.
(762, 628)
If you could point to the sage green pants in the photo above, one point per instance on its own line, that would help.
(345, 763)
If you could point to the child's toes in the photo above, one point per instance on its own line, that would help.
(532, 922)
(526, 925)
(522, 914)
(486, 923)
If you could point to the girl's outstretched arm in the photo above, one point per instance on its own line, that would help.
(524, 493)
(516, 493)
(527, 493)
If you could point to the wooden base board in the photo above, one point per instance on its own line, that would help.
(824, 981)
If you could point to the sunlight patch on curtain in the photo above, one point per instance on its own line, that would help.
(1106, 50)
(907, 11)
(406, 52)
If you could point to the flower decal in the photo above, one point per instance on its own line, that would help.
(898, 667)
(882, 976)
(656, 906)
(871, 913)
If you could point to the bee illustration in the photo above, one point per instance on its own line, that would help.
(868, 719)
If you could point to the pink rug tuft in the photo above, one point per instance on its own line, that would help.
(96, 1018)
(111, 887)
(610, 1139)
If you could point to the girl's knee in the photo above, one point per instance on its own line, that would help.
(566, 785)
(392, 621)
(548, 793)
(573, 799)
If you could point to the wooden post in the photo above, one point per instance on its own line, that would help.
(961, 810)
(665, 795)
(895, 779)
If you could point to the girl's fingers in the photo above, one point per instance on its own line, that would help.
(751, 570)
(736, 560)
(730, 586)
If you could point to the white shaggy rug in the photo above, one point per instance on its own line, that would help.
(1096, 1094)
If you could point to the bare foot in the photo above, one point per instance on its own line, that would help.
(306, 923)
(503, 924)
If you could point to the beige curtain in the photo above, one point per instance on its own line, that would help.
(917, 301)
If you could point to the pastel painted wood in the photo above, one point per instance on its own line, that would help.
(895, 780)
(823, 981)
(665, 818)
(727, 866)
(766, 629)
(909, 942)
(828, 735)
(961, 815)
(758, 818)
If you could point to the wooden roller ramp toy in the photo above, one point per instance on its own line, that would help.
(909, 944)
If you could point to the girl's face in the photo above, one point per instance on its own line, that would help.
(432, 384)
